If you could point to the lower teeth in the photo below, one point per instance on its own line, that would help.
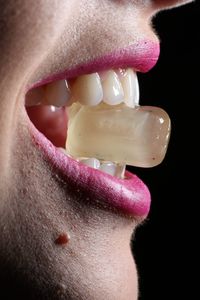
(114, 169)
(108, 167)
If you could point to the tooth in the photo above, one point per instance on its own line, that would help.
(87, 89)
(130, 86)
(91, 162)
(109, 168)
(120, 171)
(113, 93)
(57, 93)
(35, 96)
(121, 134)
(113, 169)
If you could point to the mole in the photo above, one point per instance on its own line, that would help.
(62, 239)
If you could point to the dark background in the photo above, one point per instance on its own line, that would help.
(163, 246)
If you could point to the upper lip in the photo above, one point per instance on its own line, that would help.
(130, 196)
(141, 56)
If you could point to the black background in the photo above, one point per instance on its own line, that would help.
(163, 246)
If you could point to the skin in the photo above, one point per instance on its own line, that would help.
(38, 38)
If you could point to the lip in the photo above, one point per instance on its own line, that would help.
(129, 196)
(141, 56)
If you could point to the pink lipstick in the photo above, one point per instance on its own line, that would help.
(142, 57)
(128, 196)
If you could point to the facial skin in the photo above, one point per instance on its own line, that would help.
(38, 38)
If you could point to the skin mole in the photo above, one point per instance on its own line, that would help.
(62, 239)
(40, 39)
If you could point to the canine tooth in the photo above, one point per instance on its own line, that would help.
(134, 136)
(57, 93)
(91, 162)
(35, 96)
(87, 89)
(130, 86)
(113, 93)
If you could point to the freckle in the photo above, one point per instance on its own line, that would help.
(153, 158)
(24, 191)
(62, 239)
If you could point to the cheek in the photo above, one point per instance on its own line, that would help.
(29, 29)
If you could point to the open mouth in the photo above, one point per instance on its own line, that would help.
(97, 127)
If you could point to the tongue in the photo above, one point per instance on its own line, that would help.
(51, 121)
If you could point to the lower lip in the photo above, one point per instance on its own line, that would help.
(128, 196)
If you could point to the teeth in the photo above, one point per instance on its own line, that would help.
(87, 89)
(109, 168)
(113, 169)
(130, 86)
(35, 96)
(113, 93)
(137, 137)
(57, 93)
(120, 171)
(91, 162)
(110, 87)
(106, 167)
(106, 123)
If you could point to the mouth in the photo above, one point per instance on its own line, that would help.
(89, 125)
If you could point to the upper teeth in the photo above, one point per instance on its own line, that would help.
(110, 87)
(87, 89)
(107, 124)
(57, 90)
(130, 86)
